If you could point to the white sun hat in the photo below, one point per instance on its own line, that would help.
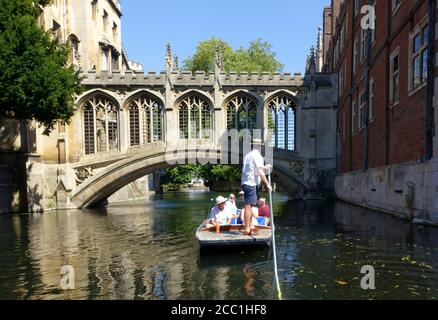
(221, 199)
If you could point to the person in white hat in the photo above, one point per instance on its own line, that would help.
(220, 212)
(254, 172)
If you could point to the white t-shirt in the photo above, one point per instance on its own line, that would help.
(221, 216)
(231, 206)
(251, 163)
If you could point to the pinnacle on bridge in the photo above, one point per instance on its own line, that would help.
(168, 56)
(311, 61)
(218, 61)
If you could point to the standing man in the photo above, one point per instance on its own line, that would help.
(254, 171)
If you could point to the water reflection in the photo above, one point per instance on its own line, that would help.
(148, 251)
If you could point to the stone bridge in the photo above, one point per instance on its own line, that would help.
(127, 125)
(130, 125)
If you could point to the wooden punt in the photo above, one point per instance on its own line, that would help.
(232, 236)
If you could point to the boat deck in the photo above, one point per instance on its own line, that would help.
(232, 236)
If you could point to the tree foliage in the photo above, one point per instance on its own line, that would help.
(258, 57)
(35, 81)
(209, 173)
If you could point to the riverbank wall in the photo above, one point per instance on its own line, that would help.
(409, 190)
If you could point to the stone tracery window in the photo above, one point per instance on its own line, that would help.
(241, 113)
(281, 122)
(195, 118)
(146, 119)
(101, 125)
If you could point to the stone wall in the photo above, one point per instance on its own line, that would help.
(409, 190)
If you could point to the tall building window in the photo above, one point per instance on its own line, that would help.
(114, 60)
(94, 4)
(356, 6)
(56, 30)
(363, 44)
(146, 120)
(362, 110)
(394, 79)
(419, 56)
(373, 31)
(115, 31)
(74, 47)
(395, 4)
(104, 64)
(101, 125)
(355, 56)
(105, 21)
(353, 116)
(371, 103)
(195, 118)
(281, 122)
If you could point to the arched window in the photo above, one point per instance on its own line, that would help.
(241, 113)
(281, 122)
(146, 118)
(195, 118)
(101, 125)
(74, 58)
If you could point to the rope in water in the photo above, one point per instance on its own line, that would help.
(274, 248)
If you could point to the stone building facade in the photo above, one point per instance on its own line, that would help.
(93, 30)
(387, 146)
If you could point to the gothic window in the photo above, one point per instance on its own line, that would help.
(74, 47)
(281, 122)
(146, 118)
(101, 125)
(195, 118)
(241, 113)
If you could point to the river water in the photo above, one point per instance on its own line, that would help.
(147, 250)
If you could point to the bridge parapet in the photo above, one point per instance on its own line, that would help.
(187, 78)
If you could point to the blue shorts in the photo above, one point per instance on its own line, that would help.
(250, 195)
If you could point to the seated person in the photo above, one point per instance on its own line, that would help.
(231, 203)
(255, 215)
(220, 213)
(264, 210)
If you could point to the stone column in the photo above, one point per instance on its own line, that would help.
(123, 130)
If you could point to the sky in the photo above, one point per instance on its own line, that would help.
(291, 26)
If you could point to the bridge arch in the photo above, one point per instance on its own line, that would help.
(103, 184)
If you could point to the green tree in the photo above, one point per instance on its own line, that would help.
(36, 82)
(259, 57)
(220, 173)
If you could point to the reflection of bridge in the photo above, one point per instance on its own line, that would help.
(125, 123)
